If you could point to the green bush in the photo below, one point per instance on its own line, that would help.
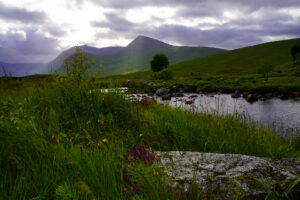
(163, 75)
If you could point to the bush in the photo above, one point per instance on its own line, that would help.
(163, 75)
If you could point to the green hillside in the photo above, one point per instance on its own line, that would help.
(137, 55)
(242, 61)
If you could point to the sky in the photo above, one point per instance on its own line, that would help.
(38, 30)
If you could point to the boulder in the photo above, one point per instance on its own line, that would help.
(229, 175)
(178, 95)
(284, 97)
(147, 100)
(251, 98)
(162, 91)
(198, 90)
(236, 95)
(166, 97)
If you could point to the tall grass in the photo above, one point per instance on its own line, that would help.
(52, 141)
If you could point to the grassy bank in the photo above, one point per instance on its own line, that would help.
(59, 141)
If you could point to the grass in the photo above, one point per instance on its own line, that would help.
(52, 146)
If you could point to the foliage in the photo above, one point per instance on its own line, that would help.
(266, 69)
(165, 74)
(159, 62)
(295, 51)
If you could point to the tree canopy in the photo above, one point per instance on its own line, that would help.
(159, 62)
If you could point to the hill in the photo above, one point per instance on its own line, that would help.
(20, 69)
(58, 62)
(136, 56)
(242, 61)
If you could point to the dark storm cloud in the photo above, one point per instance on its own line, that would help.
(32, 46)
(21, 15)
(256, 20)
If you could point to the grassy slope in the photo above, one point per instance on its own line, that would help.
(133, 60)
(242, 61)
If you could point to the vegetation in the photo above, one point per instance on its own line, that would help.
(295, 51)
(266, 69)
(61, 139)
(159, 62)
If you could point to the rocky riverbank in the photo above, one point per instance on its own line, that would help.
(166, 93)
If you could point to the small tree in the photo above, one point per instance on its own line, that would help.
(295, 50)
(159, 62)
(266, 69)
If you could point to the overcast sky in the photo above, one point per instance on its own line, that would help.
(37, 30)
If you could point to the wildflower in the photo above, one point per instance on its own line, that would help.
(156, 157)
(155, 173)
(181, 90)
(104, 140)
(128, 81)
(150, 84)
(154, 84)
(125, 189)
(174, 86)
(236, 91)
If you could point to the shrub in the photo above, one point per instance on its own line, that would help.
(163, 75)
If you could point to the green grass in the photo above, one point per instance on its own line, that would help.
(246, 60)
(51, 141)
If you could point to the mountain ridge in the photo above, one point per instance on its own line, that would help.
(137, 54)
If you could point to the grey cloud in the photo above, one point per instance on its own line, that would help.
(115, 23)
(35, 47)
(21, 15)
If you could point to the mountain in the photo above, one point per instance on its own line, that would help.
(136, 56)
(242, 61)
(20, 69)
(58, 62)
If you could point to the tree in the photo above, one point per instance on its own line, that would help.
(159, 62)
(295, 50)
(266, 69)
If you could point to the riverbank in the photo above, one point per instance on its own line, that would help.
(59, 141)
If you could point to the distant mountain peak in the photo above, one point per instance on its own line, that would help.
(146, 42)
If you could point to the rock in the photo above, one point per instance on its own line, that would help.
(147, 100)
(166, 97)
(251, 98)
(284, 97)
(178, 95)
(162, 91)
(245, 94)
(296, 94)
(198, 90)
(236, 95)
(189, 102)
(229, 175)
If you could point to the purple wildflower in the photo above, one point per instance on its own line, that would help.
(154, 84)
(128, 81)
(236, 91)
(150, 84)
(174, 86)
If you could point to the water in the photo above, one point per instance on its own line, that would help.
(283, 116)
